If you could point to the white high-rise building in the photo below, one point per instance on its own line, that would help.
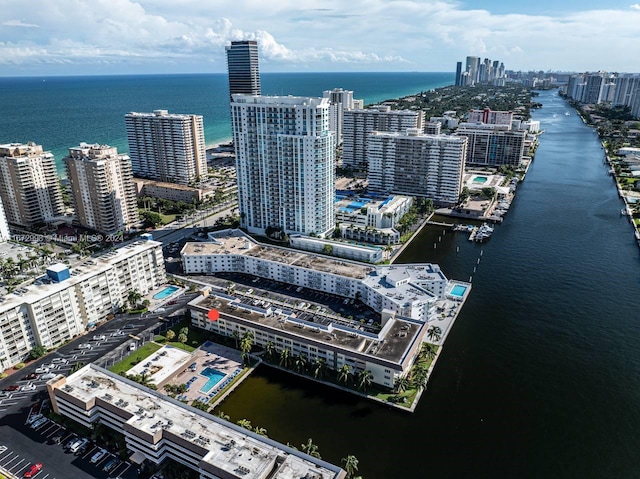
(341, 101)
(5, 235)
(167, 147)
(102, 187)
(29, 185)
(493, 145)
(359, 123)
(285, 160)
(416, 164)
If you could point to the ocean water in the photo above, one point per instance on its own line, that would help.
(60, 112)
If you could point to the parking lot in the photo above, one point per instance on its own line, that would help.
(21, 446)
(307, 302)
(28, 438)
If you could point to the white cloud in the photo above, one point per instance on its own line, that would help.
(18, 23)
(426, 35)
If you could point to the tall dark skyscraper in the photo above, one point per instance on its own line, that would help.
(242, 65)
(458, 73)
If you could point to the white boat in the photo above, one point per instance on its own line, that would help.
(484, 232)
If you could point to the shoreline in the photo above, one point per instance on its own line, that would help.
(219, 143)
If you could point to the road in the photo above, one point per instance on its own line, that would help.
(174, 232)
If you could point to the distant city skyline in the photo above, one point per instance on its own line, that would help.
(83, 37)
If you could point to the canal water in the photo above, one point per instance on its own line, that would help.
(540, 376)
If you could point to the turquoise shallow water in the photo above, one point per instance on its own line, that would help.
(214, 376)
(166, 292)
(61, 112)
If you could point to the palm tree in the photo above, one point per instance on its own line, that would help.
(222, 415)
(350, 465)
(364, 379)
(261, 431)
(285, 357)
(144, 379)
(434, 333)
(245, 423)
(246, 344)
(429, 351)
(270, 349)
(311, 449)
(343, 373)
(420, 377)
(318, 368)
(236, 336)
(402, 383)
(133, 297)
(300, 362)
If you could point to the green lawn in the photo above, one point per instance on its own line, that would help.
(168, 218)
(195, 338)
(135, 357)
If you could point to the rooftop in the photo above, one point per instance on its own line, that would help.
(87, 268)
(227, 450)
(236, 242)
(390, 344)
(289, 100)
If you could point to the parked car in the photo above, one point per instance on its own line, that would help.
(33, 470)
(78, 446)
(99, 337)
(11, 388)
(33, 418)
(38, 423)
(46, 377)
(97, 457)
(42, 370)
(70, 442)
(59, 361)
(29, 377)
(28, 387)
(132, 347)
(111, 465)
(84, 346)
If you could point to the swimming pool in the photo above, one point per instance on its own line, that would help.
(458, 290)
(214, 376)
(166, 292)
(480, 180)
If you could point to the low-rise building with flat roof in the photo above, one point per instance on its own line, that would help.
(156, 427)
(379, 287)
(386, 352)
(170, 191)
(374, 212)
(366, 254)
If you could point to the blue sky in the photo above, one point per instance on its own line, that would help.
(75, 37)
